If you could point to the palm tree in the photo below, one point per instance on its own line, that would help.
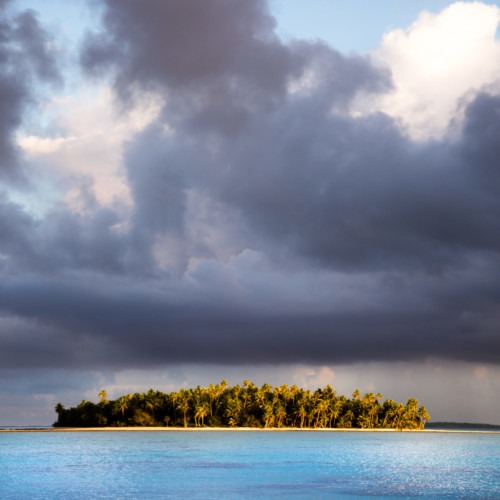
(335, 410)
(389, 411)
(346, 419)
(269, 417)
(364, 421)
(261, 396)
(233, 411)
(153, 401)
(400, 416)
(279, 415)
(216, 393)
(320, 410)
(301, 412)
(183, 404)
(103, 396)
(412, 419)
(201, 411)
(369, 409)
(122, 404)
(294, 392)
(423, 416)
(283, 392)
(212, 392)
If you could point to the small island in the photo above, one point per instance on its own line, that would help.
(246, 405)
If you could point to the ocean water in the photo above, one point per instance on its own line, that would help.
(212, 464)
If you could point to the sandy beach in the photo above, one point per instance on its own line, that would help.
(239, 429)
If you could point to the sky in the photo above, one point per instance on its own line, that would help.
(241, 189)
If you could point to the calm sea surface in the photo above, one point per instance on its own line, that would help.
(248, 465)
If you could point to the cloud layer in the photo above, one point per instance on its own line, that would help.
(266, 217)
(25, 61)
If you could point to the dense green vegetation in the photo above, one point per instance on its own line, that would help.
(246, 406)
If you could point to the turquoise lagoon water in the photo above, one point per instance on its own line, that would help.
(213, 464)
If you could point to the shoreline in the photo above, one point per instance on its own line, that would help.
(241, 429)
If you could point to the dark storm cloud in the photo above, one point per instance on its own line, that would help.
(481, 147)
(348, 193)
(61, 241)
(218, 57)
(219, 61)
(353, 194)
(256, 139)
(190, 44)
(24, 58)
(114, 324)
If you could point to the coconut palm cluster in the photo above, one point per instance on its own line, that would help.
(246, 405)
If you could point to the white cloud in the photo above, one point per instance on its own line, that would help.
(84, 139)
(43, 145)
(437, 61)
